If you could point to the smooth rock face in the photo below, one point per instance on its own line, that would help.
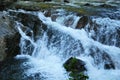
(8, 35)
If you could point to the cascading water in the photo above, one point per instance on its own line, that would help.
(60, 40)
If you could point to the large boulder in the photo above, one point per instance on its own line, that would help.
(9, 37)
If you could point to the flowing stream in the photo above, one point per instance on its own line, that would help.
(60, 40)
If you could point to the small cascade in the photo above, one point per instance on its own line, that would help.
(106, 31)
(97, 44)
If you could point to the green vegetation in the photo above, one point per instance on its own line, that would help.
(35, 6)
(72, 65)
(79, 8)
(78, 76)
(75, 68)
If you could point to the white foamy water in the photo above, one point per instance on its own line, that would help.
(47, 59)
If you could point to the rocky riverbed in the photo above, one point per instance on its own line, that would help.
(24, 11)
(9, 37)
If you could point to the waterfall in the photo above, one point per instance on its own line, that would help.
(60, 40)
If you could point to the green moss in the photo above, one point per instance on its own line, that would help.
(74, 74)
(78, 10)
(78, 76)
(35, 6)
(71, 66)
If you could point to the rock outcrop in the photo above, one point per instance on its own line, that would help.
(9, 37)
(30, 23)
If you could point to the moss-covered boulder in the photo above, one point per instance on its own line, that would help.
(75, 65)
(78, 76)
(76, 69)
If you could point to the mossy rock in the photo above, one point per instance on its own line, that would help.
(78, 76)
(74, 65)
(76, 69)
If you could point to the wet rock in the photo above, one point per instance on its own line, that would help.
(15, 69)
(67, 1)
(103, 34)
(47, 0)
(8, 34)
(54, 17)
(74, 65)
(37, 0)
(2, 7)
(12, 45)
(47, 13)
(109, 64)
(78, 76)
(69, 22)
(82, 22)
(33, 0)
(76, 68)
(88, 4)
(102, 57)
(5, 4)
(107, 6)
(2, 49)
(31, 23)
